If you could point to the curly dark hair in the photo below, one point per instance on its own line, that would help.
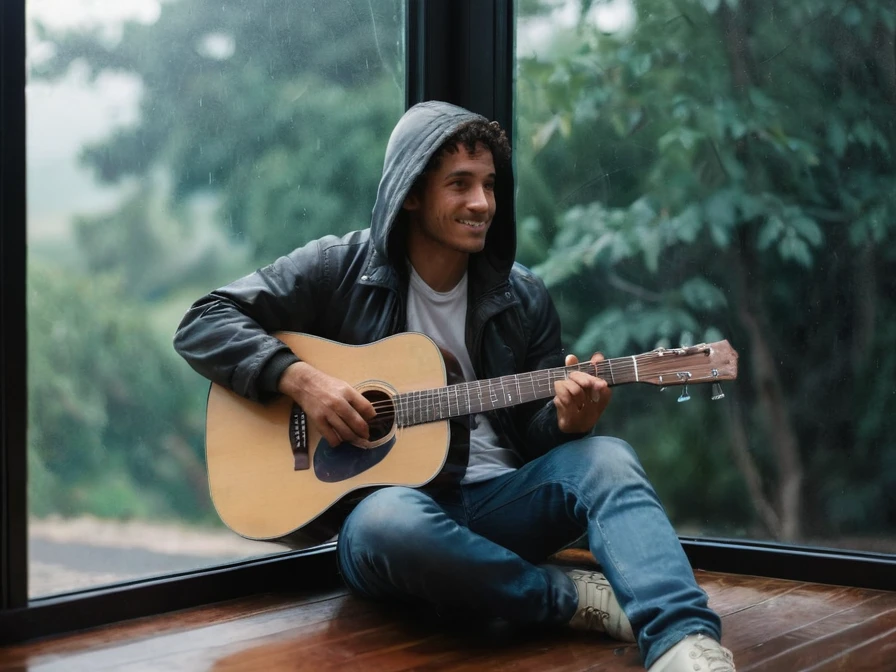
(471, 134)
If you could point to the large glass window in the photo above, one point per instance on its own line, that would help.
(706, 169)
(172, 147)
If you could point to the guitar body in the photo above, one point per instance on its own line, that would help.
(273, 477)
(256, 485)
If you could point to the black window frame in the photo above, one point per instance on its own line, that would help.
(456, 50)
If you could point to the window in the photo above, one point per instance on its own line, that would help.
(711, 169)
(172, 147)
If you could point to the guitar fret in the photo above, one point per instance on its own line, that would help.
(422, 406)
(418, 407)
(532, 385)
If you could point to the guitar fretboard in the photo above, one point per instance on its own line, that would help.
(423, 406)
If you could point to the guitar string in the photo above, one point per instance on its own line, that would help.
(529, 380)
(527, 383)
(417, 406)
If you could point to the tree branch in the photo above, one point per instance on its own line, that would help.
(630, 288)
(770, 395)
(747, 466)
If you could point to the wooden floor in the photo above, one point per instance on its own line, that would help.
(770, 624)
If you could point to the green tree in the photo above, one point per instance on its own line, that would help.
(727, 168)
(259, 127)
(115, 423)
(278, 110)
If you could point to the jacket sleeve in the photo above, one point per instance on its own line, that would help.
(544, 351)
(225, 335)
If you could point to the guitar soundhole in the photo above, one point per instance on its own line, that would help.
(381, 425)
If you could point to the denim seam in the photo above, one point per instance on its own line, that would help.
(609, 550)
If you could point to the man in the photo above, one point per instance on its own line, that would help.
(439, 258)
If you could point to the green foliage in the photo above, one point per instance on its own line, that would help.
(273, 109)
(259, 128)
(723, 169)
(109, 405)
(727, 169)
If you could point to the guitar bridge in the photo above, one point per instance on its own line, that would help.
(298, 438)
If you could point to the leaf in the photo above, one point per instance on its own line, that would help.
(837, 138)
(700, 294)
(770, 232)
(792, 247)
(808, 229)
(607, 332)
(720, 208)
(712, 334)
(651, 246)
(864, 132)
(640, 65)
(721, 216)
(687, 225)
(686, 136)
(544, 133)
(751, 206)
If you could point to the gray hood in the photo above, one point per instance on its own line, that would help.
(418, 134)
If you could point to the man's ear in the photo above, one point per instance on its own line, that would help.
(412, 200)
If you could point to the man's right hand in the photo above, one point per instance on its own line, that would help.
(336, 409)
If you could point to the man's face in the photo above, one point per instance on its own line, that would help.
(454, 206)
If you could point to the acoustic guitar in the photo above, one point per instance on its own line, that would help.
(273, 477)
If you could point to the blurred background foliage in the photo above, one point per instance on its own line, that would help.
(260, 127)
(708, 169)
(725, 168)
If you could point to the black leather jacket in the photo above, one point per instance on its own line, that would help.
(353, 290)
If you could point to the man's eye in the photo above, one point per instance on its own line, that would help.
(490, 186)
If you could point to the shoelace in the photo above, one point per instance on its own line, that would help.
(595, 617)
(720, 660)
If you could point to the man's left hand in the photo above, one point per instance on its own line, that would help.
(581, 398)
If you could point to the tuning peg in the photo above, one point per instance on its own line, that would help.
(684, 395)
(717, 392)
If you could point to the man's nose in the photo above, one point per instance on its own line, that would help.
(478, 200)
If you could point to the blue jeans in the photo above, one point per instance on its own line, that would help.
(478, 547)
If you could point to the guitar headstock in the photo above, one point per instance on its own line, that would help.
(704, 363)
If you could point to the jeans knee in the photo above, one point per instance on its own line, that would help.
(384, 519)
(605, 460)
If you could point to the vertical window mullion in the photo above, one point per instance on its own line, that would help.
(461, 51)
(13, 343)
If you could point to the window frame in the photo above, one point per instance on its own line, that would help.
(13, 341)
(445, 39)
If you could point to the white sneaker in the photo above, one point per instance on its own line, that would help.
(695, 653)
(598, 608)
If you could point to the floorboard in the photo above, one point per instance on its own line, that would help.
(771, 625)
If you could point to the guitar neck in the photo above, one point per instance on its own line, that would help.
(415, 408)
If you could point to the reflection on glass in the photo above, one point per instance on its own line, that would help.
(705, 169)
(172, 146)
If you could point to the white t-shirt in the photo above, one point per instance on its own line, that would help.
(443, 317)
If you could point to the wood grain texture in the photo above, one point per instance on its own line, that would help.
(771, 625)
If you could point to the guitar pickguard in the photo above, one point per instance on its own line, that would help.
(346, 460)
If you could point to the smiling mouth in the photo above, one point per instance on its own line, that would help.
(472, 224)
